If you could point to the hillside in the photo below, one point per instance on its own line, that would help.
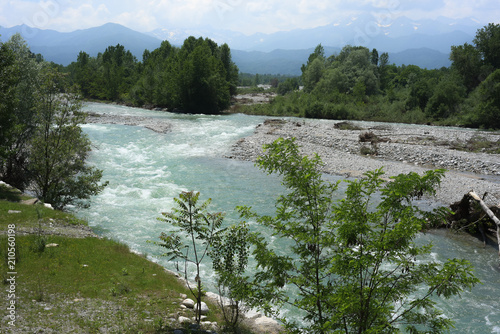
(290, 61)
(63, 48)
(426, 44)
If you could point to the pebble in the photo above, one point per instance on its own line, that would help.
(409, 148)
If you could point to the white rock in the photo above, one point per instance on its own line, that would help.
(204, 308)
(189, 303)
(14, 211)
(51, 245)
(47, 205)
(252, 314)
(182, 320)
(265, 323)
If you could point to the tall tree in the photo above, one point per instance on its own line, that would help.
(202, 80)
(374, 57)
(313, 73)
(467, 62)
(21, 112)
(446, 99)
(487, 41)
(230, 68)
(59, 148)
(8, 79)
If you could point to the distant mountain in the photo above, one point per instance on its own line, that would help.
(177, 36)
(390, 35)
(425, 43)
(275, 62)
(289, 62)
(63, 48)
(423, 57)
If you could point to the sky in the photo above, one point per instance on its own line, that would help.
(245, 16)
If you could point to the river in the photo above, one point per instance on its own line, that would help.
(146, 170)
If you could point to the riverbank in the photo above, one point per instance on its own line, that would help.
(69, 279)
(397, 148)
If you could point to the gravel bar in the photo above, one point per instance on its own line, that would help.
(401, 149)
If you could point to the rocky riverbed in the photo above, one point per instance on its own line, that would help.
(396, 148)
(156, 125)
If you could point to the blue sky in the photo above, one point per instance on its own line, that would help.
(246, 16)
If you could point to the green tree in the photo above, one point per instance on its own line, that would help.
(156, 84)
(229, 253)
(374, 57)
(21, 109)
(8, 80)
(230, 68)
(313, 73)
(118, 71)
(487, 41)
(59, 149)
(487, 111)
(353, 265)
(319, 53)
(202, 79)
(289, 85)
(196, 226)
(313, 70)
(467, 62)
(420, 89)
(352, 68)
(384, 69)
(446, 99)
(83, 75)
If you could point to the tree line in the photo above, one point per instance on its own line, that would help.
(198, 77)
(42, 147)
(361, 84)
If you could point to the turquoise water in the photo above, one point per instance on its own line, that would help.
(146, 170)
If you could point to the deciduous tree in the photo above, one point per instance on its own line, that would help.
(352, 265)
(59, 149)
(192, 241)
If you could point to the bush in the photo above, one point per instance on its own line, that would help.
(352, 261)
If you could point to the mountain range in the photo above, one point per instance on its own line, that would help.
(425, 43)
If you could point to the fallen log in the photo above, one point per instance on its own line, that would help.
(490, 214)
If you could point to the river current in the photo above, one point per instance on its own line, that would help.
(146, 170)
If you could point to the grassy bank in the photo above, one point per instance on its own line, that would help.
(84, 285)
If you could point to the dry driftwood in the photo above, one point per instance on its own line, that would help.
(490, 214)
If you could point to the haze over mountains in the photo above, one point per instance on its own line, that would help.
(424, 43)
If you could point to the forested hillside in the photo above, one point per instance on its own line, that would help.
(362, 84)
(197, 77)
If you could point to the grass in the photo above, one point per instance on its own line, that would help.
(85, 285)
(28, 215)
(90, 272)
